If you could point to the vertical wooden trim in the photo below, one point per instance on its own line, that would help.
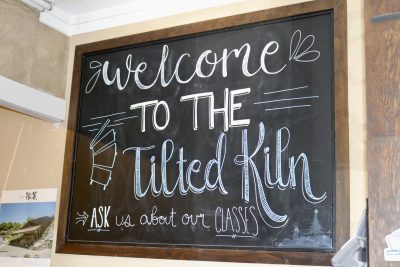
(382, 55)
(342, 125)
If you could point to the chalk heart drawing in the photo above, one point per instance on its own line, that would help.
(300, 49)
(102, 146)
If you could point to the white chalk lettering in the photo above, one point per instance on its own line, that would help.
(99, 219)
(157, 104)
(184, 179)
(249, 169)
(217, 63)
(227, 110)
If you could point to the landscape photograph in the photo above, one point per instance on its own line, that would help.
(26, 229)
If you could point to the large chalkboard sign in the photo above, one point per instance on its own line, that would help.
(224, 139)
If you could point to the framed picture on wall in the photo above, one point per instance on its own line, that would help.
(221, 140)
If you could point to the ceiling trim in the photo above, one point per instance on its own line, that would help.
(118, 15)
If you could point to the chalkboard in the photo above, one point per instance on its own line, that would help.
(222, 139)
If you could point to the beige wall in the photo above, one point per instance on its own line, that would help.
(30, 52)
(31, 151)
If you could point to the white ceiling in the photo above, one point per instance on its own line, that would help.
(78, 7)
(73, 17)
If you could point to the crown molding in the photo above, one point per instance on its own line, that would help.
(136, 11)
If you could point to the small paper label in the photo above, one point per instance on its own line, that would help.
(29, 195)
(392, 252)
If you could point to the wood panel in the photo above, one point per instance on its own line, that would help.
(383, 111)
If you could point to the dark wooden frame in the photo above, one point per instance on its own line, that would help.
(342, 198)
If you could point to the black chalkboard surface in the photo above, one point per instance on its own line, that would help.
(224, 139)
